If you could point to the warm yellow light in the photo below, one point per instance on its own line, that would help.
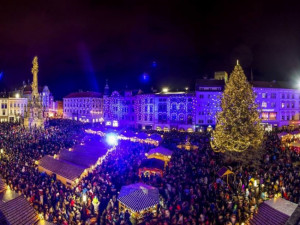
(165, 89)
(84, 198)
(17, 95)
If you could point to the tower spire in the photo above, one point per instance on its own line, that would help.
(237, 62)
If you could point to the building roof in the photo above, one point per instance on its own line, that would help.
(160, 150)
(139, 196)
(87, 94)
(60, 167)
(274, 211)
(257, 84)
(17, 212)
(209, 83)
(153, 164)
(272, 84)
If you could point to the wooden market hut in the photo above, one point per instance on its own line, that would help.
(70, 165)
(161, 153)
(139, 199)
(65, 171)
(151, 167)
(17, 211)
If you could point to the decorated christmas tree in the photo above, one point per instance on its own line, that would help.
(238, 127)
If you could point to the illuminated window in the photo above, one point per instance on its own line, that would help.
(264, 116)
(264, 95)
(264, 104)
(282, 105)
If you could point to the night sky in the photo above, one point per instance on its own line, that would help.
(82, 43)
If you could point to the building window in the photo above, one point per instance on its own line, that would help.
(209, 121)
(287, 117)
(264, 104)
(272, 116)
(201, 96)
(282, 104)
(200, 121)
(173, 117)
(282, 117)
(273, 95)
(264, 95)
(264, 116)
(273, 104)
(282, 96)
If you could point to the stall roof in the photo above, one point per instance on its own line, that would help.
(274, 211)
(84, 155)
(139, 196)
(160, 150)
(153, 163)
(60, 167)
(17, 212)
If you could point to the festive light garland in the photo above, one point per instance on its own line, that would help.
(238, 125)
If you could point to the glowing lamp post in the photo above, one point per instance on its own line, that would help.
(165, 89)
(112, 139)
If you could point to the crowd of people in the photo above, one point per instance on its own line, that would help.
(191, 191)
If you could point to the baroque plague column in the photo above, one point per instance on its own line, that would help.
(34, 113)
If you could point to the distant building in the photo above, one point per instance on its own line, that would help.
(84, 107)
(278, 103)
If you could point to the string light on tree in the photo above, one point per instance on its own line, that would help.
(238, 125)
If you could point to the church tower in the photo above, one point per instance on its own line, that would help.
(34, 112)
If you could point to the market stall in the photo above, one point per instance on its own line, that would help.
(139, 200)
(160, 153)
(151, 167)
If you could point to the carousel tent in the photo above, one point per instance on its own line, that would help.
(139, 196)
(275, 211)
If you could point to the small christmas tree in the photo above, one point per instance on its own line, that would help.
(238, 125)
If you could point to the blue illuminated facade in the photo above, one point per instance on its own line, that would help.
(279, 105)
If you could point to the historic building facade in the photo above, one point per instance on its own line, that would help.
(83, 106)
(278, 103)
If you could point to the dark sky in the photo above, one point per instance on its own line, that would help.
(82, 43)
